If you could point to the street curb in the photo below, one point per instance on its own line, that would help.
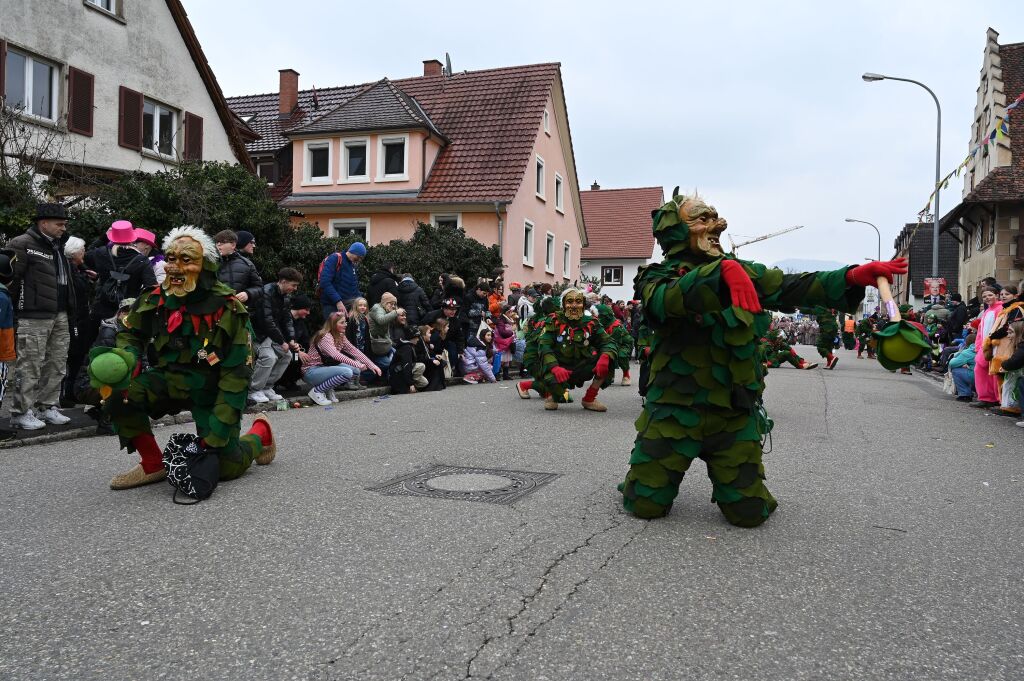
(303, 401)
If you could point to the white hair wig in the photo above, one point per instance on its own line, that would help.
(209, 248)
(74, 245)
(561, 299)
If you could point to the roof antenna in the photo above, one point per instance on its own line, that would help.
(447, 73)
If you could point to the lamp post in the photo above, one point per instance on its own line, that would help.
(872, 77)
(865, 222)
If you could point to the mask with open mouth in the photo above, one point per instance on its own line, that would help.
(706, 227)
(573, 304)
(184, 263)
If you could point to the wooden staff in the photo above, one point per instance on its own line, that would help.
(885, 294)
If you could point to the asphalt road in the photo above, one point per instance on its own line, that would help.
(896, 551)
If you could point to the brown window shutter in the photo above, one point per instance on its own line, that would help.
(129, 119)
(193, 137)
(80, 101)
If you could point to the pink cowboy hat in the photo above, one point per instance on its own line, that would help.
(145, 235)
(121, 232)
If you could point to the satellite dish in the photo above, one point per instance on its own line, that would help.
(447, 65)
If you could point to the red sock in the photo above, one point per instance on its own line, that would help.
(149, 451)
(625, 374)
(261, 429)
(525, 385)
(591, 393)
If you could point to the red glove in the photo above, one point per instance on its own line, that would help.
(740, 287)
(867, 275)
(601, 368)
(561, 374)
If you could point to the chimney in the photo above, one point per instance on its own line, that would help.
(288, 95)
(432, 67)
(594, 187)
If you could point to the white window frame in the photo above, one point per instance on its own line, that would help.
(547, 123)
(175, 125)
(566, 259)
(559, 194)
(549, 252)
(55, 74)
(115, 10)
(540, 177)
(347, 223)
(434, 217)
(381, 140)
(272, 164)
(343, 176)
(609, 282)
(528, 231)
(307, 162)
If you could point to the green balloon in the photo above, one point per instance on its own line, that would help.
(109, 368)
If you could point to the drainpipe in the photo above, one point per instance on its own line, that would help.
(501, 229)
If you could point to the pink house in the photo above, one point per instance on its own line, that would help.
(488, 151)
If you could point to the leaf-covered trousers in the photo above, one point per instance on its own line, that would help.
(162, 391)
(670, 437)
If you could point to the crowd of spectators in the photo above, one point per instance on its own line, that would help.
(59, 297)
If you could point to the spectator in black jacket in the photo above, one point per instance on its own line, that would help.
(455, 337)
(382, 281)
(449, 286)
(957, 314)
(78, 320)
(236, 270)
(118, 259)
(412, 299)
(474, 308)
(273, 335)
(301, 306)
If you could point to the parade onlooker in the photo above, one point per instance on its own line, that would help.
(449, 286)
(412, 299)
(474, 308)
(961, 366)
(455, 335)
(333, 362)
(1010, 374)
(145, 243)
(382, 316)
(504, 340)
(121, 272)
(405, 375)
(1015, 363)
(7, 342)
(957, 314)
(339, 279)
(273, 335)
(524, 308)
(384, 280)
(496, 298)
(78, 322)
(44, 298)
(301, 307)
(515, 293)
(246, 243)
(478, 356)
(237, 270)
(986, 385)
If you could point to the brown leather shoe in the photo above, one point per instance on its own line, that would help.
(137, 477)
(625, 380)
(550, 404)
(269, 451)
(594, 406)
(523, 392)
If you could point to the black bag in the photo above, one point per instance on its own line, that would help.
(115, 288)
(191, 469)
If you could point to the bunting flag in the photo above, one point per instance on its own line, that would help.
(1001, 130)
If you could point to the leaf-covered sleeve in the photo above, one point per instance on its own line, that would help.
(670, 295)
(786, 292)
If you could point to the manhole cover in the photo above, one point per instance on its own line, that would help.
(491, 485)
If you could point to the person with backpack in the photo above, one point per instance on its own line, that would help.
(338, 279)
(121, 272)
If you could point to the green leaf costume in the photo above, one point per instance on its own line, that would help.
(865, 331)
(573, 344)
(203, 364)
(620, 336)
(828, 327)
(777, 350)
(707, 376)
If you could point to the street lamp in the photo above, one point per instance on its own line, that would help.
(872, 77)
(865, 222)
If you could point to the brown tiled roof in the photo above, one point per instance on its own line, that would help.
(382, 106)
(619, 222)
(1007, 183)
(491, 118)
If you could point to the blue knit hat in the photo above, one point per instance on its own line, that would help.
(358, 248)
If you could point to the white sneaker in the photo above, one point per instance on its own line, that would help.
(27, 421)
(319, 398)
(271, 395)
(331, 396)
(1019, 424)
(53, 415)
(258, 397)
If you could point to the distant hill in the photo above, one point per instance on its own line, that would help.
(801, 265)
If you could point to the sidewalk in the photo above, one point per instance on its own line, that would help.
(82, 425)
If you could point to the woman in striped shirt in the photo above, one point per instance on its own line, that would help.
(333, 361)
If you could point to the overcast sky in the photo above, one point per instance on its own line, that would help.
(758, 105)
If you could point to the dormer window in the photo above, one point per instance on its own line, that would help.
(317, 162)
(355, 162)
(393, 158)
